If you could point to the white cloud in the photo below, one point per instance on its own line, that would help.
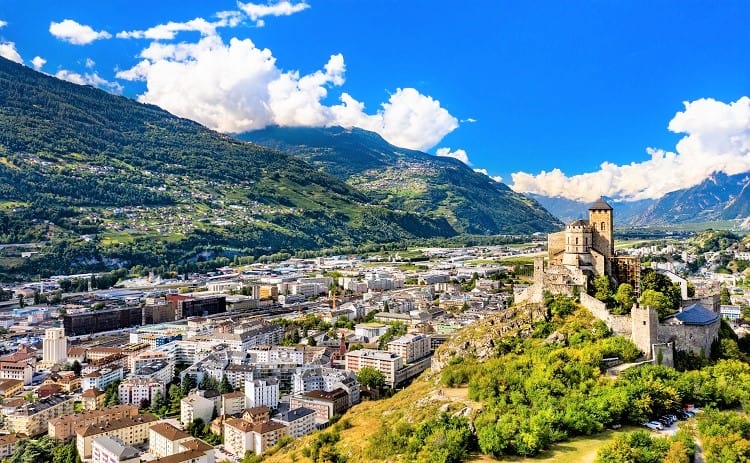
(237, 87)
(458, 154)
(90, 63)
(8, 51)
(89, 79)
(169, 30)
(470, 120)
(717, 139)
(70, 31)
(3, 23)
(283, 8)
(496, 178)
(38, 62)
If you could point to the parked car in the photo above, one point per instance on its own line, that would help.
(654, 425)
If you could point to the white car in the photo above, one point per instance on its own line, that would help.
(654, 425)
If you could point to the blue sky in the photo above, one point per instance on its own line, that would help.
(630, 99)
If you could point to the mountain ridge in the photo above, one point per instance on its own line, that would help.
(405, 179)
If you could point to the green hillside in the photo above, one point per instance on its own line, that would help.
(108, 181)
(410, 180)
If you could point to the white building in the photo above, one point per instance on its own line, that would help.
(110, 449)
(299, 422)
(195, 406)
(262, 392)
(387, 363)
(54, 346)
(134, 391)
(731, 312)
(307, 379)
(100, 379)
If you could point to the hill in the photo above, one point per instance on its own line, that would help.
(410, 180)
(110, 181)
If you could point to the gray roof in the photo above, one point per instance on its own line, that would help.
(294, 415)
(117, 447)
(600, 205)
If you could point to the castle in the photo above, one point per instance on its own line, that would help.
(585, 250)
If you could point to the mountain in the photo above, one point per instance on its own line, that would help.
(91, 180)
(719, 197)
(108, 179)
(569, 210)
(409, 180)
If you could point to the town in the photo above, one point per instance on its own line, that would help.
(213, 367)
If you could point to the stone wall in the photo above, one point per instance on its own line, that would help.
(619, 324)
(691, 338)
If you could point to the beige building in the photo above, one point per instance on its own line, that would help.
(387, 363)
(32, 418)
(8, 444)
(64, 427)
(54, 346)
(233, 403)
(10, 387)
(131, 430)
(93, 399)
(164, 440)
(325, 404)
(410, 347)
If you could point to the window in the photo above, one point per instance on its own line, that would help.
(644, 322)
(604, 226)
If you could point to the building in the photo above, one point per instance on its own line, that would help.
(137, 390)
(731, 312)
(10, 387)
(317, 378)
(325, 404)
(299, 421)
(54, 346)
(233, 403)
(370, 331)
(96, 321)
(93, 399)
(110, 449)
(130, 430)
(410, 347)
(262, 392)
(241, 436)
(164, 440)
(186, 306)
(63, 427)
(32, 418)
(256, 415)
(8, 443)
(387, 363)
(21, 371)
(100, 379)
(193, 407)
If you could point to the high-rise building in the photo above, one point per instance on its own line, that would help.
(54, 346)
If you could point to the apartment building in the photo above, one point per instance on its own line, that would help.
(262, 392)
(387, 363)
(137, 390)
(410, 347)
(299, 421)
(63, 427)
(131, 430)
(100, 379)
(241, 436)
(325, 404)
(195, 406)
(32, 418)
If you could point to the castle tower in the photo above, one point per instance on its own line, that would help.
(578, 241)
(602, 224)
(645, 325)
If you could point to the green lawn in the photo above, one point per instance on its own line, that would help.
(578, 450)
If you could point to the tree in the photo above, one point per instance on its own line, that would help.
(371, 378)
(21, 303)
(225, 387)
(657, 301)
(76, 367)
(195, 428)
(186, 385)
(603, 289)
(724, 298)
(625, 298)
